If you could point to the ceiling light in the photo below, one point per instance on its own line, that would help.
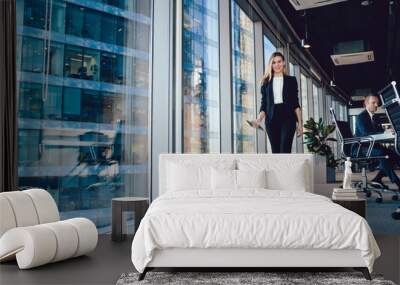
(305, 43)
(332, 83)
(366, 2)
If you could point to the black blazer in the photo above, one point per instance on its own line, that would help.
(290, 97)
(365, 127)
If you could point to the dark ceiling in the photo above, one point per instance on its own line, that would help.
(377, 23)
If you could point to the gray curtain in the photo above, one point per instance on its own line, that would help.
(8, 97)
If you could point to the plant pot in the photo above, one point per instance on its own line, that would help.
(322, 173)
(330, 175)
(319, 169)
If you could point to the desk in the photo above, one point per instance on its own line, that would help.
(384, 137)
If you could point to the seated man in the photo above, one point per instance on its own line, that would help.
(366, 124)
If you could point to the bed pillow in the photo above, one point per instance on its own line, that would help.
(193, 175)
(291, 179)
(223, 179)
(251, 178)
(182, 177)
(281, 174)
(227, 179)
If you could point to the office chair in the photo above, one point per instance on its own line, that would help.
(351, 147)
(391, 103)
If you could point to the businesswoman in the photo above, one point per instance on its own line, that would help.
(279, 105)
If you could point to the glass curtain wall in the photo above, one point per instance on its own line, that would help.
(304, 97)
(316, 102)
(83, 85)
(294, 70)
(201, 121)
(269, 48)
(243, 80)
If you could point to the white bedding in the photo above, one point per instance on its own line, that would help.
(251, 218)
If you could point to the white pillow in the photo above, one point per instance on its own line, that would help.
(251, 178)
(291, 179)
(228, 179)
(282, 174)
(192, 174)
(223, 179)
(181, 177)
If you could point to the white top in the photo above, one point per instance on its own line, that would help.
(277, 87)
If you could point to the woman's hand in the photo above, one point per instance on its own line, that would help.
(255, 123)
(299, 129)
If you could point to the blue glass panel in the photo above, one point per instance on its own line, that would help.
(243, 82)
(201, 76)
(83, 102)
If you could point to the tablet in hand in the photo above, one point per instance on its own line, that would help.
(251, 125)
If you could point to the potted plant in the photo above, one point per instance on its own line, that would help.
(316, 137)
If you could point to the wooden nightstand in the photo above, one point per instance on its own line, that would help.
(357, 206)
(119, 205)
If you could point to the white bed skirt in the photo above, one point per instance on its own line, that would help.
(189, 257)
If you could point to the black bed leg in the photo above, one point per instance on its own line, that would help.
(143, 274)
(365, 272)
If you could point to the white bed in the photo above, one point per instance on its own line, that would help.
(249, 227)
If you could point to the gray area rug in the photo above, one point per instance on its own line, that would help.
(228, 278)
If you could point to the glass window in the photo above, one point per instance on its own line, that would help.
(141, 71)
(58, 16)
(30, 100)
(83, 144)
(118, 3)
(74, 20)
(91, 62)
(109, 29)
(73, 63)
(34, 13)
(201, 122)
(269, 48)
(71, 104)
(33, 58)
(56, 59)
(52, 103)
(141, 34)
(315, 100)
(321, 104)
(304, 97)
(92, 25)
(243, 80)
(112, 68)
(291, 69)
(91, 105)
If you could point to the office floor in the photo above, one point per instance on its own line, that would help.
(110, 260)
(103, 266)
(379, 215)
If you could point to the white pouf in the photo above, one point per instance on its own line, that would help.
(31, 232)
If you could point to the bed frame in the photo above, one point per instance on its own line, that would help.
(246, 258)
(243, 259)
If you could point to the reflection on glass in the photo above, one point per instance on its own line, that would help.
(304, 97)
(200, 76)
(291, 69)
(243, 80)
(316, 102)
(269, 48)
(83, 102)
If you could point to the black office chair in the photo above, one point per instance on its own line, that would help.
(391, 103)
(350, 146)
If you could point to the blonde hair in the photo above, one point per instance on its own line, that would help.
(269, 72)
